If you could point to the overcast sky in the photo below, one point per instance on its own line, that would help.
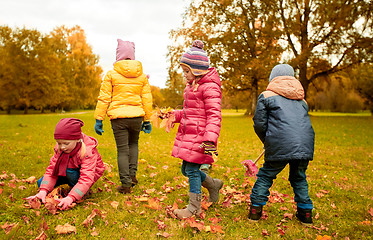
(145, 22)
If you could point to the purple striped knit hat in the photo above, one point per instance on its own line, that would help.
(196, 59)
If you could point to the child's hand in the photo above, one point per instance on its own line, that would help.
(41, 195)
(146, 126)
(98, 127)
(65, 203)
(209, 147)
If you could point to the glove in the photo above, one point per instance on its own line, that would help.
(98, 127)
(209, 148)
(65, 202)
(41, 195)
(146, 127)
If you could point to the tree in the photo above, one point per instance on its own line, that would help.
(7, 96)
(246, 38)
(339, 32)
(79, 67)
(39, 71)
(364, 83)
(240, 38)
(173, 93)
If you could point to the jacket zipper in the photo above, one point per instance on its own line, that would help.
(186, 106)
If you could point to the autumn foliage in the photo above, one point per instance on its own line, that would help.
(47, 71)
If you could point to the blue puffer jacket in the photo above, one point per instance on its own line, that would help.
(282, 123)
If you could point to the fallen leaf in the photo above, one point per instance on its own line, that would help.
(153, 204)
(89, 220)
(370, 211)
(4, 176)
(65, 229)
(34, 203)
(42, 236)
(52, 205)
(31, 180)
(142, 199)
(114, 204)
(194, 224)
(265, 232)
(281, 231)
(149, 191)
(164, 234)
(288, 215)
(325, 237)
(8, 227)
(216, 228)
(365, 223)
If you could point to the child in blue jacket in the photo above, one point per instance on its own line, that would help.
(282, 123)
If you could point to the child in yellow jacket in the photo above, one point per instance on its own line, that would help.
(125, 97)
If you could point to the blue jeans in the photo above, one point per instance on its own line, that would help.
(195, 176)
(297, 177)
(72, 177)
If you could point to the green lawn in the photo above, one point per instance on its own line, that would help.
(340, 182)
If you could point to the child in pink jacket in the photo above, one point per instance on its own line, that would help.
(200, 122)
(76, 162)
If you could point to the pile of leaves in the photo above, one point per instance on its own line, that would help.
(167, 117)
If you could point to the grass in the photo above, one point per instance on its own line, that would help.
(340, 182)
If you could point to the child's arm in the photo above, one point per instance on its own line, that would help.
(212, 102)
(178, 115)
(104, 97)
(147, 100)
(261, 118)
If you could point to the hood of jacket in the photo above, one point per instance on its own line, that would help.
(129, 68)
(211, 76)
(287, 86)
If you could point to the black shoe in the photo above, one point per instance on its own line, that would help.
(304, 215)
(134, 181)
(255, 213)
(123, 189)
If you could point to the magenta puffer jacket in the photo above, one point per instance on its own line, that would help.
(87, 159)
(200, 119)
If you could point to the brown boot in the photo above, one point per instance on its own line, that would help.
(134, 181)
(213, 185)
(123, 189)
(193, 208)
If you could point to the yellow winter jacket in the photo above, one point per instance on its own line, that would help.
(125, 92)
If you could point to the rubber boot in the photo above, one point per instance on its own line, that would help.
(193, 208)
(213, 185)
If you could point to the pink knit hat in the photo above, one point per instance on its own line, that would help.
(125, 50)
(69, 129)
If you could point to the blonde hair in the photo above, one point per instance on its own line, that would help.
(83, 150)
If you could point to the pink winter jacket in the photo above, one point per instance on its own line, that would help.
(91, 169)
(200, 119)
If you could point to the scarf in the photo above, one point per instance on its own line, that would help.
(63, 160)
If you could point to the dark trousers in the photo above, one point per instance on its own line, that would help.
(297, 177)
(126, 133)
(72, 178)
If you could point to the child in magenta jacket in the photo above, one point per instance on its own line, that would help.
(76, 162)
(200, 122)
